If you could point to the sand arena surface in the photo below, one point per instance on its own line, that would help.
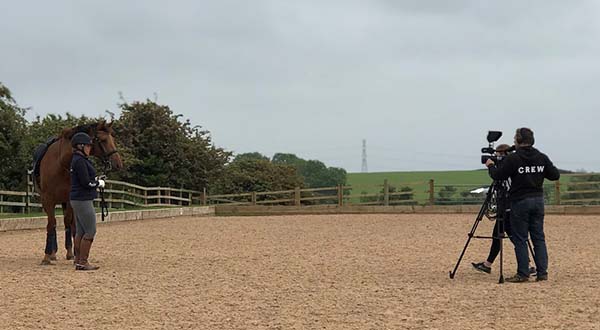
(298, 272)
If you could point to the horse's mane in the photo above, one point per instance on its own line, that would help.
(68, 133)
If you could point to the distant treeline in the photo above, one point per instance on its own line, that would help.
(158, 149)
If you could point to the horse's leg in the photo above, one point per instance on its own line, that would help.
(51, 245)
(69, 229)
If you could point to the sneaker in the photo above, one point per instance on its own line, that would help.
(532, 271)
(541, 278)
(481, 267)
(517, 279)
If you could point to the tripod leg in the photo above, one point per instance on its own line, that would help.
(471, 233)
(531, 249)
(532, 254)
(482, 212)
(452, 273)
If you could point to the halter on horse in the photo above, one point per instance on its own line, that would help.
(54, 181)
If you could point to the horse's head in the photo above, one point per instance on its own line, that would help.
(104, 145)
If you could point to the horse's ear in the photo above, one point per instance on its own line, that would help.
(109, 125)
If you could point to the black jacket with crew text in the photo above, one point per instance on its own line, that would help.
(527, 168)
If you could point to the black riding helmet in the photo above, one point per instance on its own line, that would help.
(80, 138)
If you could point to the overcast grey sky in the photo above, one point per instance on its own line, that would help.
(422, 81)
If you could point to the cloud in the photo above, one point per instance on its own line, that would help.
(316, 77)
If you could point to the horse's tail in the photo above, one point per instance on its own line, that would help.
(36, 183)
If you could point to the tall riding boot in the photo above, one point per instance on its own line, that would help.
(84, 252)
(76, 248)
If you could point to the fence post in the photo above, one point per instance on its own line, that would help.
(297, 196)
(190, 201)
(557, 192)
(123, 193)
(159, 199)
(253, 196)
(431, 192)
(145, 197)
(110, 196)
(27, 196)
(203, 197)
(386, 193)
(1, 206)
(340, 195)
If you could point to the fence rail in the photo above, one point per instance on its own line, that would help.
(571, 190)
(117, 194)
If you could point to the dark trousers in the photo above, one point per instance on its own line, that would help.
(527, 219)
(495, 248)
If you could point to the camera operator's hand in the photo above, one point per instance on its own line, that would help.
(489, 163)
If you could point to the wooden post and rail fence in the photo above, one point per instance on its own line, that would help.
(123, 195)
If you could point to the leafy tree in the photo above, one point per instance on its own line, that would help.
(446, 195)
(13, 136)
(250, 156)
(158, 149)
(42, 129)
(52, 125)
(163, 151)
(288, 159)
(247, 175)
(314, 173)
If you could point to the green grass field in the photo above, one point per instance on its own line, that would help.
(476, 177)
(372, 183)
(440, 177)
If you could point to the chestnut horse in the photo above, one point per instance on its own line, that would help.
(54, 180)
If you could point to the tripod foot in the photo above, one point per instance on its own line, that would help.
(451, 275)
(501, 280)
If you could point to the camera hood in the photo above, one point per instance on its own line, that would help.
(494, 136)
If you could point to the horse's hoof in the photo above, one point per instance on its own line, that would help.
(53, 258)
(46, 263)
(70, 257)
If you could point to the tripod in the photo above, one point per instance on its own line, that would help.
(491, 208)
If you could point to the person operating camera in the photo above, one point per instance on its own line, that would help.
(502, 208)
(527, 168)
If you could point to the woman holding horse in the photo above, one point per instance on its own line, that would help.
(83, 192)
(53, 178)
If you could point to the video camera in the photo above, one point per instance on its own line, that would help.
(495, 205)
(489, 152)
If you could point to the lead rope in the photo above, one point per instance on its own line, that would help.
(103, 205)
